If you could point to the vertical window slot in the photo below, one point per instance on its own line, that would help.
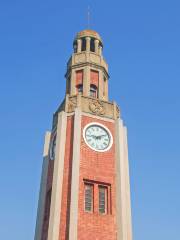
(102, 199)
(88, 195)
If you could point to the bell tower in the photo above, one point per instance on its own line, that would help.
(87, 71)
(85, 189)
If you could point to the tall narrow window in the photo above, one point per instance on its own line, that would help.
(102, 199)
(93, 91)
(83, 46)
(92, 45)
(88, 197)
(79, 88)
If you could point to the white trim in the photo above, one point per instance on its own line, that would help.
(57, 184)
(107, 130)
(73, 222)
(42, 192)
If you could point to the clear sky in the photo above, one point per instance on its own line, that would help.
(142, 46)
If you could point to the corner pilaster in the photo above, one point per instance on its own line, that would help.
(122, 186)
(55, 210)
(73, 225)
(42, 192)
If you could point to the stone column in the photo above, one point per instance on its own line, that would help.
(128, 194)
(42, 192)
(100, 50)
(122, 186)
(73, 82)
(79, 44)
(73, 224)
(88, 39)
(100, 90)
(86, 81)
(106, 89)
(56, 196)
(96, 46)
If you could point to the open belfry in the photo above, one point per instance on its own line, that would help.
(85, 189)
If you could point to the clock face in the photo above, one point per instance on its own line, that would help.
(97, 137)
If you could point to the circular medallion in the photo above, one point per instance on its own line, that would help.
(97, 137)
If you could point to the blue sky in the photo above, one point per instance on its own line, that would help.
(142, 47)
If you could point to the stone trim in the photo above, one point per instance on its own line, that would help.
(128, 194)
(122, 186)
(55, 210)
(42, 192)
(73, 225)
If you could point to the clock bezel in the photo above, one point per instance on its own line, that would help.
(105, 128)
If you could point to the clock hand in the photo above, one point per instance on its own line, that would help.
(93, 136)
(100, 136)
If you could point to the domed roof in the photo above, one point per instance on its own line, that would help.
(89, 33)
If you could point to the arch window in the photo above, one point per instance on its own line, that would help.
(83, 46)
(92, 45)
(93, 91)
(79, 88)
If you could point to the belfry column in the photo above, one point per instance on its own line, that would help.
(86, 81)
(88, 39)
(100, 93)
(79, 43)
(96, 46)
(72, 85)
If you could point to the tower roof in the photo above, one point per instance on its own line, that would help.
(89, 33)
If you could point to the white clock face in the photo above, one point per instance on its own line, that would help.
(97, 137)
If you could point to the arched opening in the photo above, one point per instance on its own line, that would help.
(83, 46)
(93, 91)
(79, 88)
(92, 45)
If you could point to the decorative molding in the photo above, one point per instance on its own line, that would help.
(72, 103)
(96, 107)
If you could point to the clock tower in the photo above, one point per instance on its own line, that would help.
(85, 190)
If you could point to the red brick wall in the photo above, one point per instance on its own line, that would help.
(65, 207)
(94, 77)
(95, 167)
(99, 167)
(79, 77)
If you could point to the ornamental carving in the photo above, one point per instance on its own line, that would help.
(97, 107)
(72, 104)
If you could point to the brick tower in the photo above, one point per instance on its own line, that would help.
(85, 191)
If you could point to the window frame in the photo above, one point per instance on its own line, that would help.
(105, 188)
(87, 184)
(79, 88)
(93, 89)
